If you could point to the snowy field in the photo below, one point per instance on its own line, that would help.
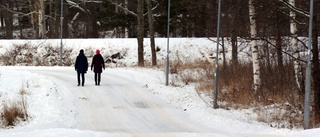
(130, 102)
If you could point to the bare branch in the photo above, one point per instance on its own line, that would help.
(122, 8)
(298, 10)
(91, 1)
(304, 44)
(266, 40)
(129, 11)
(145, 14)
(73, 4)
(20, 14)
(296, 21)
(77, 4)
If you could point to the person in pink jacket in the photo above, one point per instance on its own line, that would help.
(97, 65)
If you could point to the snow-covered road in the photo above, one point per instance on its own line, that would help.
(129, 103)
(123, 107)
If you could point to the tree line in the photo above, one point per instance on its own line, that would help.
(279, 24)
(118, 18)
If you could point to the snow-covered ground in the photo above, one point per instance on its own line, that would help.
(130, 101)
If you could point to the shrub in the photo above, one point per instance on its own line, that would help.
(13, 112)
(29, 55)
(19, 55)
(278, 89)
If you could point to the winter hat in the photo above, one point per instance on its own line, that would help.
(97, 51)
(81, 51)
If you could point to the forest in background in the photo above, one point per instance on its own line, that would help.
(118, 18)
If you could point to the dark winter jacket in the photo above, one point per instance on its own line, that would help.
(97, 63)
(81, 65)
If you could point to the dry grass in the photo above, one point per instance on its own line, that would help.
(15, 111)
(277, 102)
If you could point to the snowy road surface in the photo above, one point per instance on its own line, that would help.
(120, 107)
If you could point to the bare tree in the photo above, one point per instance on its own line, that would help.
(41, 19)
(151, 31)
(126, 31)
(254, 46)
(38, 17)
(1, 18)
(8, 17)
(140, 32)
(294, 45)
(233, 34)
(316, 66)
(140, 28)
(53, 21)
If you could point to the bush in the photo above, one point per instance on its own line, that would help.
(12, 113)
(28, 55)
(18, 55)
(278, 89)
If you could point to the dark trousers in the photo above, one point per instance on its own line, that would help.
(97, 78)
(82, 75)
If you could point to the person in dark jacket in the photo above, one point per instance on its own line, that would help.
(81, 66)
(97, 65)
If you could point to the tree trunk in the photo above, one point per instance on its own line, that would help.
(140, 31)
(8, 16)
(41, 20)
(2, 21)
(34, 7)
(279, 44)
(151, 29)
(234, 46)
(65, 27)
(279, 50)
(254, 46)
(1, 18)
(223, 52)
(267, 56)
(315, 68)
(294, 45)
(57, 23)
(20, 24)
(235, 31)
(115, 30)
(37, 18)
(50, 21)
(126, 31)
(89, 26)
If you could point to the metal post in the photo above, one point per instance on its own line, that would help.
(168, 35)
(61, 29)
(308, 72)
(215, 93)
